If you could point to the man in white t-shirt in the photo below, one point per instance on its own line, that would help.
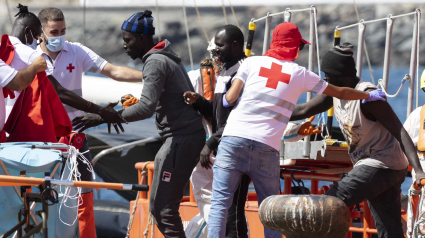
(250, 144)
(67, 62)
(17, 79)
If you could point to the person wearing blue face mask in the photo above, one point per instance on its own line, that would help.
(67, 63)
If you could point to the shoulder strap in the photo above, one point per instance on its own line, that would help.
(421, 140)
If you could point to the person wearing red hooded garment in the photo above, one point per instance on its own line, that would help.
(250, 144)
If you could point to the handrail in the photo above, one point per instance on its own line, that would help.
(121, 147)
(280, 13)
(413, 74)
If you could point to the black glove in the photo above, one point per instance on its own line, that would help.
(109, 115)
(86, 121)
(205, 157)
(126, 97)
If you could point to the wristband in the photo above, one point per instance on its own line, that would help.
(88, 106)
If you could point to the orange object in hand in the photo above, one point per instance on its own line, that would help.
(130, 102)
(307, 129)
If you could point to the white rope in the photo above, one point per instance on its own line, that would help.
(234, 15)
(317, 41)
(365, 47)
(133, 212)
(157, 17)
(224, 12)
(417, 58)
(381, 84)
(187, 36)
(201, 22)
(74, 174)
(419, 219)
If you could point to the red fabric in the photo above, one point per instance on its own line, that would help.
(86, 216)
(286, 42)
(38, 114)
(159, 46)
(7, 52)
(3, 137)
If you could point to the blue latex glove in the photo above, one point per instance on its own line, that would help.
(375, 96)
(225, 103)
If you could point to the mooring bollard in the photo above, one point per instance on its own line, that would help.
(306, 216)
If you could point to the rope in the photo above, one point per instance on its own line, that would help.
(234, 15)
(224, 12)
(130, 222)
(157, 17)
(420, 219)
(417, 58)
(201, 22)
(187, 36)
(381, 83)
(365, 47)
(8, 12)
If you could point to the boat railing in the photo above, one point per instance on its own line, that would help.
(313, 49)
(125, 146)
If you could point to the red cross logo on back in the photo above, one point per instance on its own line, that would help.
(70, 68)
(274, 75)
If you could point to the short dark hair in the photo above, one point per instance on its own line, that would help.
(233, 33)
(25, 15)
(50, 14)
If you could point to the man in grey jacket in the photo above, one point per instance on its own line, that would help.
(164, 82)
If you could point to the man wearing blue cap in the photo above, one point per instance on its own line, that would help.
(164, 82)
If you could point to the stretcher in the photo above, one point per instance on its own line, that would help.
(31, 187)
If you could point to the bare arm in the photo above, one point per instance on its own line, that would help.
(234, 91)
(316, 105)
(122, 73)
(24, 77)
(382, 112)
(345, 93)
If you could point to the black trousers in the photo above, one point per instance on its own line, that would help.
(174, 164)
(381, 188)
(236, 226)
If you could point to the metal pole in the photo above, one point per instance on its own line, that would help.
(266, 43)
(252, 26)
(287, 16)
(311, 54)
(362, 29)
(387, 56)
(413, 61)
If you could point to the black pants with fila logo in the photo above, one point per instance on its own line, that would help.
(174, 164)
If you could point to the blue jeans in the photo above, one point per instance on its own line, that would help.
(237, 156)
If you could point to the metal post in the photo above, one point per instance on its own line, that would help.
(387, 56)
(413, 61)
(287, 16)
(252, 26)
(311, 51)
(266, 43)
(362, 29)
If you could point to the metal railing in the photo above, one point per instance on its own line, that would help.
(124, 146)
(387, 57)
(312, 49)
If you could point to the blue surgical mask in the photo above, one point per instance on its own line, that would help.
(55, 43)
(33, 45)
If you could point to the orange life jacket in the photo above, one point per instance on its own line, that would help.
(208, 81)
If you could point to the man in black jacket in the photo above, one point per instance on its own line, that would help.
(229, 42)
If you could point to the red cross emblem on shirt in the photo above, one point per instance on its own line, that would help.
(70, 68)
(274, 75)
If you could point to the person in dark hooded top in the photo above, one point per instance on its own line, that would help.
(164, 82)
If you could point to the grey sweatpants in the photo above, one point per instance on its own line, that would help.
(174, 164)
